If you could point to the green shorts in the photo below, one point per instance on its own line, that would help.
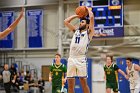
(113, 86)
(56, 89)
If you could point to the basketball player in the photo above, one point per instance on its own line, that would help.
(77, 66)
(134, 75)
(111, 71)
(57, 73)
(11, 27)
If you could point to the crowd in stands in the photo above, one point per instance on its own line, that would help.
(20, 80)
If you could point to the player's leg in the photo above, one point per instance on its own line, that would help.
(115, 87)
(108, 87)
(132, 87)
(108, 90)
(71, 84)
(71, 73)
(84, 84)
(82, 73)
(137, 88)
(53, 89)
(132, 91)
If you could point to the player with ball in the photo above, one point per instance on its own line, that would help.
(77, 66)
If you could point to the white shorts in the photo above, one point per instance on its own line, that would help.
(136, 87)
(77, 67)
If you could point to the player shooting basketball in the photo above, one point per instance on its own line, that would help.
(12, 26)
(77, 66)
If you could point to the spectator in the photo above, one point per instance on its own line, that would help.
(41, 84)
(28, 76)
(6, 75)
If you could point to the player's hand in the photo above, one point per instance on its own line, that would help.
(50, 79)
(77, 16)
(89, 8)
(103, 34)
(127, 77)
(86, 7)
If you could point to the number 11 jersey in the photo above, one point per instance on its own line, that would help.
(79, 44)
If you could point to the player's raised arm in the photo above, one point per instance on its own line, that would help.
(91, 24)
(68, 24)
(137, 67)
(12, 26)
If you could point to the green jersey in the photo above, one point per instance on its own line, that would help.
(111, 73)
(57, 73)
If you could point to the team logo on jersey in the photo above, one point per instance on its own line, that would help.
(108, 72)
(56, 73)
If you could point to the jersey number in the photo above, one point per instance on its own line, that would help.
(77, 40)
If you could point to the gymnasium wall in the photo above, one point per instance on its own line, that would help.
(50, 27)
(132, 17)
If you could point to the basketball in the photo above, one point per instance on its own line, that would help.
(81, 11)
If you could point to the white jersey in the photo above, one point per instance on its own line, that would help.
(134, 76)
(79, 44)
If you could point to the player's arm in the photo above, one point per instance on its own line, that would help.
(50, 74)
(64, 77)
(11, 27)
(50, 77)
(104, 76)
(91, 24)
(120, 71)
(68, 24)
(127, 73)
(137, 67)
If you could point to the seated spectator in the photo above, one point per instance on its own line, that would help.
(28, 76)
(20, 80)
(13, 69)
(41, 84)
(13, 76)
(31, 82)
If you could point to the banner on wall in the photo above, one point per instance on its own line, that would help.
(34, 28)
(6, 18)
